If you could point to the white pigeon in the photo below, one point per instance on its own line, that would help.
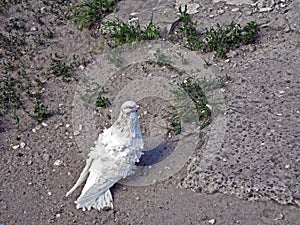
(113, 157)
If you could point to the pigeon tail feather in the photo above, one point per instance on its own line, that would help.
(82, 177)
(96, 193)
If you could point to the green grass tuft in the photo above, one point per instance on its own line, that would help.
(119, 32)
(218, 39)
(60, 69)
(102, 101)
(221, 40)
(90, 13)
(40, 112)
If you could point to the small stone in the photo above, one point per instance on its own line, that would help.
(267, 9)
(221, 11)
(282, 5)
(29, 163)
(43, 9)
(137, 198)
(46, 157)
(44, 124)
(68, 125)
(49, 193)
(212, 221)
(38, 127)
(235, 9)
(279, 217)
(15, 147)
(81, 67)
(57, 215)
(22, 144)
(33, 29)
(296, 195)
(58, 162)
(76, 132)
(248, 13)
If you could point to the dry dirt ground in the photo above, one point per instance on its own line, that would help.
(253, 178)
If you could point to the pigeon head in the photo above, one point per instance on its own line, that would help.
(129, 107)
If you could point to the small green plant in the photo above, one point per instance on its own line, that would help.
(119, 32)
(161, 58)
(90, 13)
(3, 6)
(191, 103)
(224, 79)
(102, 102)
(40, 113)
(115, 57)
(16, 118)
(194, 90)
(60, 69)
(188, 28)
(174, 123)
(12, 45)
(223, 39)
(49, 34)
(218, 39)
(9, 94)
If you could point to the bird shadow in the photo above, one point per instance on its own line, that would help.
(158, 153)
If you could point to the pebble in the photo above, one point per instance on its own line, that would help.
(212, 221)
(282, 5)
(46, 157)
(248, 13)
(221, 11)
(287, 166)
(76, 132)
(58, 162)
(15, 147)
(235, 9)
(22, 144)
(38, 127)
(44, 124)
(43, 9)
(33, 29)
(68, 125)
(49, 193)
(279, 217)
(267, 9)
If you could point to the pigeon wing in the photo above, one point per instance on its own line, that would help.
(96, 194)
(82, 176)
